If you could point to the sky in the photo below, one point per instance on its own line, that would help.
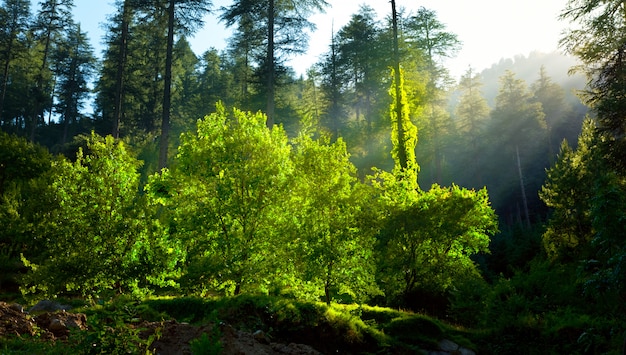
(489, 30)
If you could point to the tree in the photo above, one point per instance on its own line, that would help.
(190, 16)
(517, 125)
(403, 134)
(472, 113)
(363, 61)
(226, 191)
(101, 236)
(332, 84)
(568, 191)
(599, 42)
(74, 65)
(14, 21)
(427, 34)
(552, 98)
(428, 239)
(54, 18)
(22, 163)
(285, 24)
(587, 224)
(333, 249)
(186, 108)
(142, 91)
(124, 18)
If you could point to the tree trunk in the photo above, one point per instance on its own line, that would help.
(270, 65)
(402, 157)
(167, 88)
(521, 181)
(39, 89)
(5, 76)
(121, 65)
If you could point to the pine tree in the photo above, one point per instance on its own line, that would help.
(14, 21)
(285, 24)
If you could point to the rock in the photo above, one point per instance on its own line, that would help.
(17, 307)
(48, 306)
(60, 323)
(57, 326)
(448, 347)
(259, 336)
(13, 322)
(294, 349)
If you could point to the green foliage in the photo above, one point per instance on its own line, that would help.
(21, 201)
(596, 38)
(587, 225)
(207, 345)
(100, 235)
(334, 245)
(225, 191)
(568, 190)
(183, 309)
(416, 330)
(403, 133)
(428, 240)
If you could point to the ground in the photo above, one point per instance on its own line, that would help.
(173, 337)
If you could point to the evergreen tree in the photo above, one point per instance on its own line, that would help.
(74, 65)
(427, 34)
(52, 22)
(285, 25)
(14, 21)
(517, 128)
(599, 41)
(362, 62)
(552, 98)
(189, 17)
(472, 113)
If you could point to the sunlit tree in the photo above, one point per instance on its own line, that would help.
(333, 243)
(102, 238)
(226, 191)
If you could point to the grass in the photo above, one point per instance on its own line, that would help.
(348, 329)
(338, 328)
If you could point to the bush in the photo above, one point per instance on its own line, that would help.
(416, 330)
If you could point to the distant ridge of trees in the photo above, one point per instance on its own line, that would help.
(526, 67)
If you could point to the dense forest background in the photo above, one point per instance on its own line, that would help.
(375, 177)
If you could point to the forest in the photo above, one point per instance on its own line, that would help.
(493, 206)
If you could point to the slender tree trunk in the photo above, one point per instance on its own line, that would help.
(121, 65)
(167, 89)
(270, 65)
(327, 283)
(70, 109)
(5, 74)
(396, 59)
(521, 181)
(39, 89)
(335, 91)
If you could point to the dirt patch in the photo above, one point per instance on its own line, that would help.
(50, 325)
(170, 337)
(13, 321)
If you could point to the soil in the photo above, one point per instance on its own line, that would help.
(172, 337)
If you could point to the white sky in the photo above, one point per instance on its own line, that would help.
(488, 29)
